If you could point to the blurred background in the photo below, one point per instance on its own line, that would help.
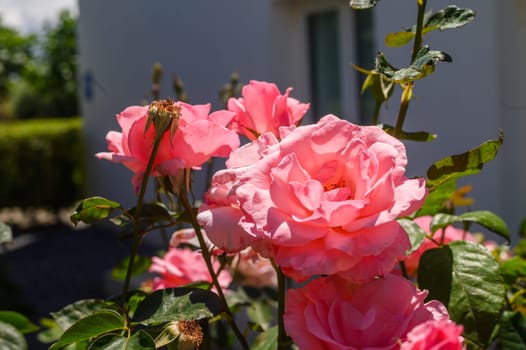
(67, 67)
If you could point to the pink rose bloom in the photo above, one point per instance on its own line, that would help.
(334, 314)
(263, 109)
(251, 269)
(200, 135)
(182, 266)
(450, 234)
(323, 200)
(435, 335)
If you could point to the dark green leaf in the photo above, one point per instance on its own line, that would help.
(423, 65)
(477, 291)
(94, 325)
(6, 235)
(140, 265)
(11, 338)
(19, 321)
(435, 273)
(512, 331)
(484, 218)
(93, 209)
(175, 304)
(420, 136)
(415, 233)
(459, 165)
(70, 314)
(449, 18)
(138, 341)
(267, 340)
(426, 59)
(437, 198)
(513, 268)
(362, 4)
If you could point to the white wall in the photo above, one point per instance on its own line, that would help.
(121, 40)
(465, 102)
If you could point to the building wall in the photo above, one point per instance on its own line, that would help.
(465, 102)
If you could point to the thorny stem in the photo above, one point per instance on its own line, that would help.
(284, 341)
(417, 44)
(183, 197)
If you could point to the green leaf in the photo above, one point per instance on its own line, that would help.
(94, 325)
(468, 163)
(140, 265)
(420, 136)
(93, 209)
(437, 198)
(362, 4)
(477, 291)
(175, 304)
(512, 331)
(261, 312)
(449, 18)
(415, 233)
(138, 341)
(11, 338)
(423, 65)
(72, 313)
(513, 268)
(267, 340)
(51, 333)
(435, 273)
(6, 234)
(399, 38)
(484, 218)
(19, 321)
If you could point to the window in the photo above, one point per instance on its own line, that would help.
(324, 50)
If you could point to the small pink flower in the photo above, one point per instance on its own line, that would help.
(435, 335)
(334, 314)
(263, 109)
(449, 234)
(323, 200)
(200, 135)
(182, 266)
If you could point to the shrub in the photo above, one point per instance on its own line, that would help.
(41, 163)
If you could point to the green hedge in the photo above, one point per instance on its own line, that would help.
(41, 163)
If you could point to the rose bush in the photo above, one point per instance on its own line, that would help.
(323, 200)
(185, 149)
(333, 314)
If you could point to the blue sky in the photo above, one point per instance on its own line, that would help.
(29, 15)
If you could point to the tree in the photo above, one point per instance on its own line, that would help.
(47, 86)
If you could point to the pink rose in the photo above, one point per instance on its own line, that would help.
(263, 109)
(449, 234)
(334, 314)
(323, 200)
(435, 335)
(182, 266)
(200, 135)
